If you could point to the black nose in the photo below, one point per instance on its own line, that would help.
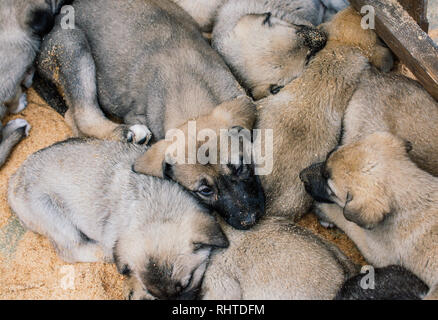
(249, 221)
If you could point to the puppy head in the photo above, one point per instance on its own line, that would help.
(267, 53)
(168, 253)
(345, 28)
(356, 177)
(228, 185)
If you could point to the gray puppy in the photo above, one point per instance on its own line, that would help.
(147, 63)
(98, 209)
(22, 24)
(144, 62)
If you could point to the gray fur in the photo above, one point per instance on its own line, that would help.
(144, 62)
(18, 47)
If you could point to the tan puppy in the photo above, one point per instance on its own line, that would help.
(306, 116)
(383, 202)
(275, 260)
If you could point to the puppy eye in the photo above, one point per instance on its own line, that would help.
(206, 191)
(274, 89)
(267, 20)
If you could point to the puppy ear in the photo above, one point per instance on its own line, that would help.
(382, 59)
(366, 214)
(211, 235)
(151, 162)
(238, 112)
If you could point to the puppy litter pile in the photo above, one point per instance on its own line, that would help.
(29, 266)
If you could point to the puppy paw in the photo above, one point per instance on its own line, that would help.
(14, 125)
(139, 134)
(22, 104)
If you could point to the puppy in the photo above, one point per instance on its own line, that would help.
(156, 78)
(98, 209)
(22, 24)
(383, 202)
(390, 283)
(306, 116)
(268, 43)
(275, 260)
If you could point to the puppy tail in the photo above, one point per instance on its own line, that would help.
(388, 283)
(48, 92)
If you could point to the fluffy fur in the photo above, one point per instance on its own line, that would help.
(306, 116)
(383, 202)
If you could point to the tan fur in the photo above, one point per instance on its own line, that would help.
(275, 260)
(386, 205)
(306, 115)
(236, 113)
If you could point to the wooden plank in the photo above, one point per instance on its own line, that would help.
(418, 10)
(406, 39)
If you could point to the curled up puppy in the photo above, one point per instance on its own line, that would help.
(98, 209)
(373, 191)
(159, 235)
(267, 44)
(22, 24)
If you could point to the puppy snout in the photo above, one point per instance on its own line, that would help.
(249, 221)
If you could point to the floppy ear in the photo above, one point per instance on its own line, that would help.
(366, 214)
(151, 162)
(211, 235)
(238, 112)
(382, 58)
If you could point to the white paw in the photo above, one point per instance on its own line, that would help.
(139, 134)
(16, 124)
(22, 104)
(327, 225)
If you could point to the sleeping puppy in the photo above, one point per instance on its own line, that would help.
(383, 202)
(98, 209)
(155, 79)
(267, 44)
(22, 24)
(275, 260)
